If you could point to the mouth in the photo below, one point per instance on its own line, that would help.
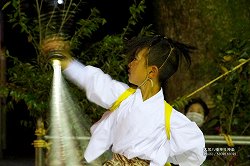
(129, 75)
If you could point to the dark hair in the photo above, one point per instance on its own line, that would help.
(163, 52)
(197, 101)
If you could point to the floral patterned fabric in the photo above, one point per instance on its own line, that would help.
(119, 160)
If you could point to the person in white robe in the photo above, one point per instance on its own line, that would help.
(136, 129)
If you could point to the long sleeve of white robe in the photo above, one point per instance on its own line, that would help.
(136, 128)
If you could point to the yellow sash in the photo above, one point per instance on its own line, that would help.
(122, 97)
(128, 92)
(168, 110)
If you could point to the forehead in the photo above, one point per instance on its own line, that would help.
(196, 107)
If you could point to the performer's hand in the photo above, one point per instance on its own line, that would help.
(59, 45)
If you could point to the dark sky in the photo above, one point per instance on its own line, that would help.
(116, 12)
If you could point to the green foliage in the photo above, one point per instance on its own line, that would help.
(232, 94)
(28, 83)
(31, 81)
(180, 103)
(87, 27)
(135, 11)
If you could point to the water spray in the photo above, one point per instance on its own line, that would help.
(63, 151)
(69, 131)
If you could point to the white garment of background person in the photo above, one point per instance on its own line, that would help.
(137, 127)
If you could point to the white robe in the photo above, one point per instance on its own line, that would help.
(136, 128)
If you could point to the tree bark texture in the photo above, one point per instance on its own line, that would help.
(206, 24)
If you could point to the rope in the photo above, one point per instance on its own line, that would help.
(228, 140)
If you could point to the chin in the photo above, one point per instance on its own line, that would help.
(131, 82)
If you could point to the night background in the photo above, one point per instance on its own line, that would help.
(219, 29)
(19, 136)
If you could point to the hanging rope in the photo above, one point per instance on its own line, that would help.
(224, 74)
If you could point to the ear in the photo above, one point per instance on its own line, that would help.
(153, 72)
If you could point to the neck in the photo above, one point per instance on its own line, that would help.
(148, 90)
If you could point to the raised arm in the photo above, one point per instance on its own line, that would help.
(100, 87)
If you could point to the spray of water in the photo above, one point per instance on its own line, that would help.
(69, 128)
(65, 125)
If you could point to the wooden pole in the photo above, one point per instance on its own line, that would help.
(2, 99)
(40, 144)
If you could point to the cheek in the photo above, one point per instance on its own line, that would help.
(135, 78)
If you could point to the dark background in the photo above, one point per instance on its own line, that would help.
(20, 136)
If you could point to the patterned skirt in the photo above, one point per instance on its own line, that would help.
(120, 160)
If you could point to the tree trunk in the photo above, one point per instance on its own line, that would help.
(2, 99)
(2, 110)
(206, 24)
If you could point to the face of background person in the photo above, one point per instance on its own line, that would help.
(196, 107)
(196, 113)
